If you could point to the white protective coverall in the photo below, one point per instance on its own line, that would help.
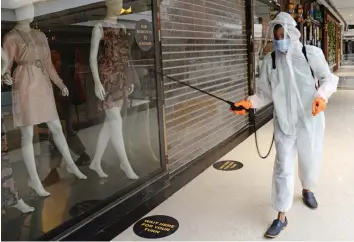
(292, 89)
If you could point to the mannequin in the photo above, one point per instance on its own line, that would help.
(9, 193)
(113, 83)
(32, 93)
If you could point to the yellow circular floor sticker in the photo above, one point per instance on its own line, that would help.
(228, 165)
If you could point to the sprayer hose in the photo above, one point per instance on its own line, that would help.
(258, 150)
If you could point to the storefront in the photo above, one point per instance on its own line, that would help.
(313, 25)
(108, 132)
(332, 40)
(348, 47)
(122, 130)
(320, 28)
(203, 44)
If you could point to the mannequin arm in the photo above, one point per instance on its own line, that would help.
(53, 75)
(7, 54)
(4, 63)
(7, 57)
(95, 43)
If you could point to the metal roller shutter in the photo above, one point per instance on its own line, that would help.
(204, 43)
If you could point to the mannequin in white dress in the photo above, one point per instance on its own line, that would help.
(111, 99)
(26, 46)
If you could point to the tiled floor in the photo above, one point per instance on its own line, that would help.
(346, 78)
(235, 205)
(347, 71)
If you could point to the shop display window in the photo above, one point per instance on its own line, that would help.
(79, 109)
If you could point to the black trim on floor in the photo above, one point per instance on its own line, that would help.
(110, 224)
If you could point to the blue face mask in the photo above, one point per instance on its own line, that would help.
(282, 45)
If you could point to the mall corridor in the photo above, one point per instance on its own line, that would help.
(235, 205)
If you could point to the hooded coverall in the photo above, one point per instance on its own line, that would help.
(292, 89)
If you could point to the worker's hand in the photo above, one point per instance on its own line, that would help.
(246, 104)
(319, 105)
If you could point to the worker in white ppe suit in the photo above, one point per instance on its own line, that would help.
(289, 78)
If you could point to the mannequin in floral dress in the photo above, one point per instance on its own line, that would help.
(32, 92)
(113, 77)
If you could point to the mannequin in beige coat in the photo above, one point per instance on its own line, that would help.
(20, 205)
(32, 93)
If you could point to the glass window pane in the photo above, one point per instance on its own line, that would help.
(79, 108)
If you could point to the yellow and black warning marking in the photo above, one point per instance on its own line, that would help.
(156, 227)
(228, 165)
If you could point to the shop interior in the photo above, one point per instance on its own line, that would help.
(68, 28)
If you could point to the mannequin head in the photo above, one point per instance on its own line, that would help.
(114, 7)
(25, 11)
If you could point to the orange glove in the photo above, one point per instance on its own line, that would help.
(246, 104)
(319, 105)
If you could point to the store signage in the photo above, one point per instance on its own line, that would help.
(156, 227)
(228, 165)
(143, 35)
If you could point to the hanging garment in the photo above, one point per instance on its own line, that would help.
(115, 67)
(79, 91)
(61, 101)
(32, 91)
(56, 60)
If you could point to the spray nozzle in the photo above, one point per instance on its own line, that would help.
(236, 108)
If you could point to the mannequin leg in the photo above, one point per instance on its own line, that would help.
(60, 142)
(116, 124)
(102, 142)
(9, 192)
(23, 207)
(28, 157)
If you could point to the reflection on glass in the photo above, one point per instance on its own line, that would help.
(9, 193)
(99, 120)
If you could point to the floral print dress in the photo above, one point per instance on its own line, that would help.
(115, 68)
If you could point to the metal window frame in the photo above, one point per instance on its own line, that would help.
(250, 52)
(159, 85)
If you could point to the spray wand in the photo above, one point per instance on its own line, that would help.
(232, 107)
